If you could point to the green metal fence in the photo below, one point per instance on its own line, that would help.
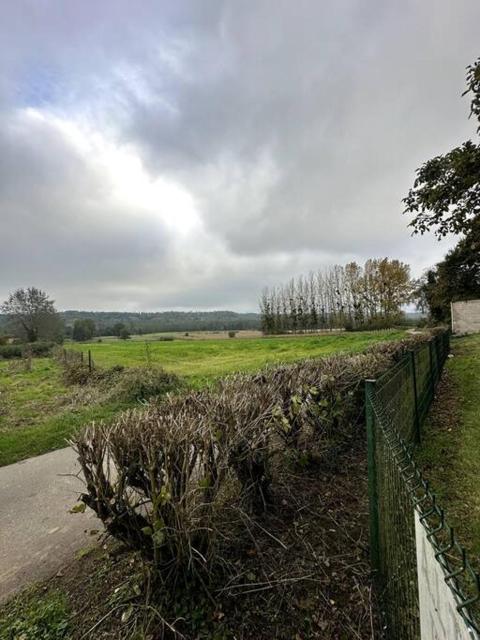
(396, 407)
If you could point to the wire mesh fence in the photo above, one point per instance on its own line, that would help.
(74, 357)
(396, 406)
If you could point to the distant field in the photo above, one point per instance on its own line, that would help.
(187, 335)
(38, 412)
(201, 360)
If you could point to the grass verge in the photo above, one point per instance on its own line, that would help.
(450, 450)
(36, 616)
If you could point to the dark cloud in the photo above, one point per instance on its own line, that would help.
(170, 154)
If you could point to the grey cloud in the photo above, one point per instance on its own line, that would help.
(344, 103)
(295, 128)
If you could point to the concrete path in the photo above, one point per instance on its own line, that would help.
(38, 535)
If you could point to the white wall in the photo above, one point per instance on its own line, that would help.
(466, 316)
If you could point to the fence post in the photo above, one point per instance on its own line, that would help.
(372, 476)
(430, 352)
(438, 353)
(81, 357)
(415, 396)
(90, 361)
(433, 374)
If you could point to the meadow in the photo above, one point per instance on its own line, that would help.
(38, 411)
(203, 360)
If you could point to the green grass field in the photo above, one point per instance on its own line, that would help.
(38, 412)
(204, 360)
(450, 450)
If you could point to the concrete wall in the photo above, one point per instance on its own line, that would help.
(466, 316)
(439, 617)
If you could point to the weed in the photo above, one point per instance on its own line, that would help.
(38, 617)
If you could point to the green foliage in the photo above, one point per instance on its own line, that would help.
(124, 333)
(446, 193)
(83, 330)
(450, 448)
(456, 277)
(10, 351)
(339, 297)
(42, 617)
(140, 384)
(184, 321)
(204, 360)
(446, 198)
(39, 411)
(40, 349)
(32, 315)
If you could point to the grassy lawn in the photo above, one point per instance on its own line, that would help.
(37, 412)
(450, 452)
(204, 360)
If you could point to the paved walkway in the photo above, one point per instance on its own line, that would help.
(38, 535)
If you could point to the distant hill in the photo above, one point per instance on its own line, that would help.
(161, 321)
(166, 320)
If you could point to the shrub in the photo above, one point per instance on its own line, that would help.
(242, 413)
(74, 369)
(9, 351)
(320, 402)
(76, 372)
(153, 477)
(232, 334)
(39, 349)
(142, 383)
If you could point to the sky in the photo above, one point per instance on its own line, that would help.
(184, 154)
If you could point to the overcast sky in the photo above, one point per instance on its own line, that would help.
(181, 155)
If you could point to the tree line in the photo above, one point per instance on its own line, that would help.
(347, 296)
(29, 315)
(107, 323)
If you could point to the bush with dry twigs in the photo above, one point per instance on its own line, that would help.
(157, 477)
(153, 477)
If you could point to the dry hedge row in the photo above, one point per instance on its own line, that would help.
(159, 477)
